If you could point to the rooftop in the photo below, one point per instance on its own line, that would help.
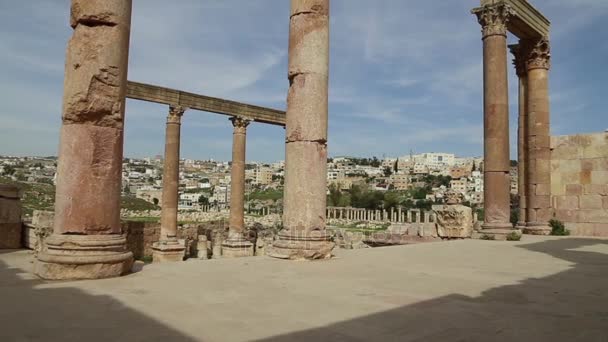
(540, 289)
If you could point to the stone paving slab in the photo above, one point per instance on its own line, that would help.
(540, 289)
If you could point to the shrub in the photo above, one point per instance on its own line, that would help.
(487, 237)
(513, 236)
(558, 228)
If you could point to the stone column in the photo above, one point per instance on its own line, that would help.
(236, 245)
(493, 19)
(399, 217)
(11, 226)
(87, 240)
(304, 236)
(522, 136)
(168, 248)
(539, 210)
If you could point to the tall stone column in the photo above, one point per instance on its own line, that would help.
(519, 62)
(493, 19)
(539, 209)
(87, 240)
(304, 236)
(168, 248)
(236, 245)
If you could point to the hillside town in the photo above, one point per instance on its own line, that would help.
(417, 178)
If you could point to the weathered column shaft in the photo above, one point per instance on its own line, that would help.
(493, 19)
(87, 202)
(522, 136)
(168, 216)
(539, 209)
(237, 176)
(236, 245)
(304, 218)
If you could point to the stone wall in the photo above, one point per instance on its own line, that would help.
(10, 217)
(579, 182)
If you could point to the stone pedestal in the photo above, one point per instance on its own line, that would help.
(83, 257)
(235, 247)
(454, 221)
(87, 241)
(168, 251)
(10, 217)
(202, 248)
(305, 201)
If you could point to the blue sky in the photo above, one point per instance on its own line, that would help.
(404, 74)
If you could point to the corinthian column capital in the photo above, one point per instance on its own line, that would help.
(240, 124)
(175, 114)
(539, 54)
(519, 58)
(493, 19)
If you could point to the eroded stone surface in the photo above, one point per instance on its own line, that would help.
(454, 221)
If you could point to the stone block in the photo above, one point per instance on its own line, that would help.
(454, 221)
(10, 235)
(587, 229)
(567, 215)
(566, 202)
(42, 218)
(596, 189)
(592, 216)
(557, 187)
(574, 189)
(539, 202)
(605, 202)
(591, 202)
(570, 177)
(585, 177)
(10, 191)
(599, 177)
(569, 165)
(542, 189)
(10, 210)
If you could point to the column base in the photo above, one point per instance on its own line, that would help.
(539, 228)
(71, 257)
(237, 247)
(497, 231)
(168, 251)
(302, 246)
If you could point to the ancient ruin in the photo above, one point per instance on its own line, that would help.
(561, 177)
(496, 17)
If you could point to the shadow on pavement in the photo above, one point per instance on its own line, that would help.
(568, 306)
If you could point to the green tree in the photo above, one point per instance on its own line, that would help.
(202, 200)
(387, 171)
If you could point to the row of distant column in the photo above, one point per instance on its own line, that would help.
(532, 62)
(87, 239)
(392, 215)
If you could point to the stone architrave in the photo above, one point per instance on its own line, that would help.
(493, 19)
(87, 240)
(10, 217)
(236, 245)
(454, 221)
(304, 235)
(519, 62)
(539, 210)
(168, 248)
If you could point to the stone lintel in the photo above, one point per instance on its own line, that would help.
(173, 97)
(528, 22)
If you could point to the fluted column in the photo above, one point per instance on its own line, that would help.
(539, 210)
(236, 245)
(168, 248)
(87, 240)
(519, 62)
(304, 235)
(493, 19)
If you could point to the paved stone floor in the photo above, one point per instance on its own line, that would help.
(540, 289)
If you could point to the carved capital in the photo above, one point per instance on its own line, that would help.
(175, 114)
(539, 54)
(493, 19)
(519, 60)
(240, 124)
